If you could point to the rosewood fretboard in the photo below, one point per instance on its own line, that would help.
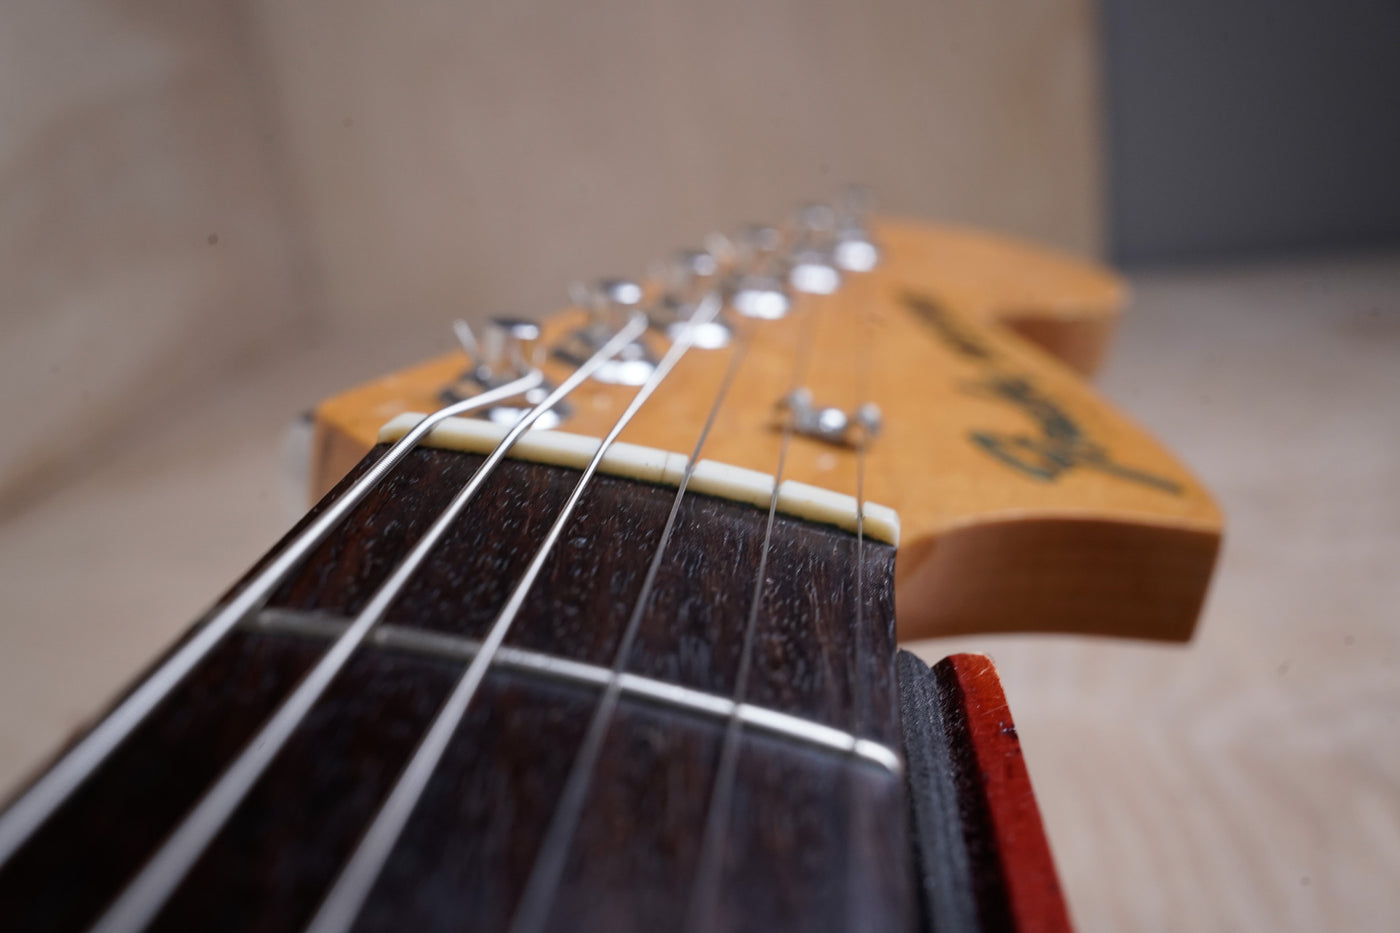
(815, 840)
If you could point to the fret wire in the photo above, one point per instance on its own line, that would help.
(543, 883)
(342, 905)
(47, 794)
(145, 895)
(705, 889)
(662, 693)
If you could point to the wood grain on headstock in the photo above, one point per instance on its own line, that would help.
(1027, 502)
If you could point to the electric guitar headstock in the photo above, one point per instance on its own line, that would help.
(1026, 502)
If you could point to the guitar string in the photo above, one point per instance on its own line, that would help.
(660, 693)
(704, 896)
(47, 794)
(542, 885)
(144, 896)
(342, 905)
(860, 689)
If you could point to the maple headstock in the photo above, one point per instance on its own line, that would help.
(1026, 501)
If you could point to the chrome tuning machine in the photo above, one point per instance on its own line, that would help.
(507, 349)
(609, 304)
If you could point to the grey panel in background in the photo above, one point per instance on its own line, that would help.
(1251, 126)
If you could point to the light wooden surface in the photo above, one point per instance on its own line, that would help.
(1026, 502)
(1247, 781)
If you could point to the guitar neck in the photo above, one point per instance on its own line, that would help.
(504, 693)
(811, 833)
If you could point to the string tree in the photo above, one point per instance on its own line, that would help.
(507, 349)
(609, 304)
(828, 423)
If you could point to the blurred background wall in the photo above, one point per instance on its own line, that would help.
(1242, 129)
(186, 184)
(146, 236)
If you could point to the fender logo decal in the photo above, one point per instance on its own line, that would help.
(1058, 445)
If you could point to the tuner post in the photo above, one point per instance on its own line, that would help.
(759, 288)
(686, 281)
(508, 348)
(811, 269)
(610, 304)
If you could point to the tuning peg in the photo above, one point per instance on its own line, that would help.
(507, 349)
(692, 273)
(757, 247)
(759, 287)
(610, 304)
(510, 348)
(687, 280)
